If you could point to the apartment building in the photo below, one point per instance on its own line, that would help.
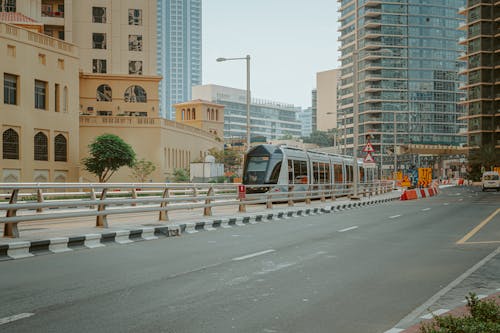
(38, 105)
(482, 54)
(179, 51)
(402, 58)
(326, 109)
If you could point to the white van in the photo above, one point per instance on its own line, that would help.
(490, 180)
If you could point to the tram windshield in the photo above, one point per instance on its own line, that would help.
(256, 169)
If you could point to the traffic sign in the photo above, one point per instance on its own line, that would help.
(242, 192)
(368, 148)
(369, 158)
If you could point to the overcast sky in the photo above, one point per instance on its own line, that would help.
(288, 41)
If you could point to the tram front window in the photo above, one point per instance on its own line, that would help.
(256, 169)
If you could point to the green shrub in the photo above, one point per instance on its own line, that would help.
(484, 317)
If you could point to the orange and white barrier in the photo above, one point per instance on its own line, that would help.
(419, 193)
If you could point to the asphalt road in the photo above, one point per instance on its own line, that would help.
(360, 270)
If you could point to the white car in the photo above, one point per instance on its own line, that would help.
(490, 180)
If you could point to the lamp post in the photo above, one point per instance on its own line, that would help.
(247, 58)
(355, 111)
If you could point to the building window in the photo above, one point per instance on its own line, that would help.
(57, 98)
(135, 16)
(41, 144)
(7, 5)
(60, 148)
(10, 145)
(135, 42)
(99, 40)
(104, 93)
(135, 67)
(40, 94)
(99, 66)
(11, 50)
(42, 58)
(10, 89)
(65, 100)
(135, 94)
(60, 64)
(99, 14)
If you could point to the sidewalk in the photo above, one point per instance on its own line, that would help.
(483, 281)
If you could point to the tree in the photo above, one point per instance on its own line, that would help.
(229, 157)
(321, 138)
(142, 169)
(485, 157)
(107, 154)
(181, 175)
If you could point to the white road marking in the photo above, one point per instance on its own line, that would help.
(446, 204)
(10, 319)
(426, 209)
(394, 330)
(347, 229)
(248, 256)
(434, 313)
(394, 216)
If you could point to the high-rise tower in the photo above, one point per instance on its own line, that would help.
(179, 51)
(407, 78)
(483, 79)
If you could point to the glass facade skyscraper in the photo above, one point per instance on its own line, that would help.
(179, 51)
(268, 119)
(407, 74)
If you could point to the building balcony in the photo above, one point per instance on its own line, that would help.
(463, 10)
(463, 26)
(372, 12)
(372, 23)
(373, 77)
(462, 41)
(372, 3)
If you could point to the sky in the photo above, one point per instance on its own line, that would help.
(289, 41)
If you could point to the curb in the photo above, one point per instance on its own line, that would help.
(26, 249)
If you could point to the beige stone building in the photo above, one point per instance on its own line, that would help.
(38, 107)
(60, 99)
(326, 85)
(202, 114)
(168, 144)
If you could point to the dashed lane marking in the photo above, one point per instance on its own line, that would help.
(10, 319)
(446, 204)
(394, 330)
(425, 209)
(478, 227)
(248, 256)
(394, 216)
(348, 229)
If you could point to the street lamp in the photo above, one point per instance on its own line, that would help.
(355, 111)
(247, 58)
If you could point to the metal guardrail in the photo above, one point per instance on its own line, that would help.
(25, 202)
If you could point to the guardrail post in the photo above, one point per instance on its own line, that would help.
(164, 213)
(323, 190)
(332, 192)
(269, 202)
(10, 229)
(134, 196)
(102, 220)
(290, 195)
(195, 193)
(207, 211)
(308, 195)
(92, 197)
(39, 199)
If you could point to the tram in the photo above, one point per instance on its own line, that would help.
(281, 166)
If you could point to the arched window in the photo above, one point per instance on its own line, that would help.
(135, 94)
(60, 148)
(189, 114)
(208, 114)
(104, 93)
(217, 114)
(41, 144)
(194, 114)
(183, 114)
(10, 147)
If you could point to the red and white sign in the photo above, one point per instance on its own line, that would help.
(369, 158)
(242, 192)
(368, 148)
